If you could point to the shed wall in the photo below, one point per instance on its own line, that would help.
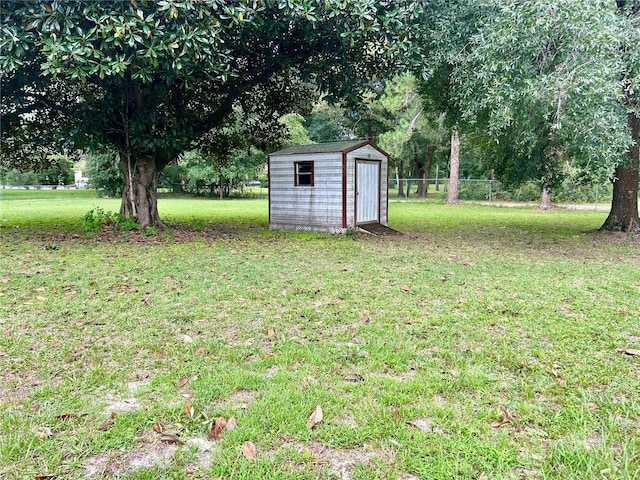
(316, 208)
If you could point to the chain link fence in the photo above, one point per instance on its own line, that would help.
(493, 191)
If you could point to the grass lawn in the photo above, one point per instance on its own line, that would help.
(486, 343)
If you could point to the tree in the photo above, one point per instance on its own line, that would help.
(624, 204)
(543, 78)
(148, 79)
(448, 28)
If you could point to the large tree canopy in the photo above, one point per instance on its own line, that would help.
(148, 79)
(537, 82)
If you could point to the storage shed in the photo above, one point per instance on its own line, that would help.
(328, 187)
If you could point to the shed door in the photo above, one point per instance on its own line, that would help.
(367, 191)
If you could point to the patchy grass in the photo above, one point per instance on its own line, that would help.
(482, 344)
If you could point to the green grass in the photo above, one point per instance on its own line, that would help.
(475, 311)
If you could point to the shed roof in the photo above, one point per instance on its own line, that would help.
(329, 147)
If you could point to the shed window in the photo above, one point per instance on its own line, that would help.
(304, 173)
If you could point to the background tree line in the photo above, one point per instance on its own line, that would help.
(516, 91)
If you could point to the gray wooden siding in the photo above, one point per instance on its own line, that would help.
(319, 208)
(320, 205)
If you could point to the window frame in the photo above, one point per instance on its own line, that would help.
(297, 173)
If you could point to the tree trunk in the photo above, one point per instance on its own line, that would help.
(400, 183)
(545, 200)
(437, 178)
(427, 169)
(454, 166)
(624, 204)
(140, 195)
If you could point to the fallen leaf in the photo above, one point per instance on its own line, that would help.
(231, 424)
(157, 427)
(200, 351)
(170, 439)
(316, 417)
(354, 377)
(186, 338)
(268, 355)
(270, 332)
(396, 414)
(106, 425)
(216, 429)
(4, 280)
(45, 477)
(183, 381)
(66, 416)
(189, 410)
(365, 320)
(405, 288)
(335, 369)
(146, 301)
(505, 419)
(629, 351)
(249, 450)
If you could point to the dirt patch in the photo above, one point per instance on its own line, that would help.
(238, 400)
(118, 404)
(341, 463)
(18, 386)
(116, 462)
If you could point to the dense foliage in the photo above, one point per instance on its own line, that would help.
(148, 79)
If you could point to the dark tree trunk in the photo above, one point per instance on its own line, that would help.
(624, 204)
(454, 166)
(427, 169)
(140, 195)
(419, 174)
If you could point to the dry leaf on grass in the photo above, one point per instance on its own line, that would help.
(405, 288)
(231, 424)
(66, 416)
(170, 439)
(271, 332)
(316, 417)
(354, 377)
(249, 450)
(189, 410)
(200, 351)
(216, 429)
(183, 381)
(505, 419)
(629, 351)
(157, 427)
